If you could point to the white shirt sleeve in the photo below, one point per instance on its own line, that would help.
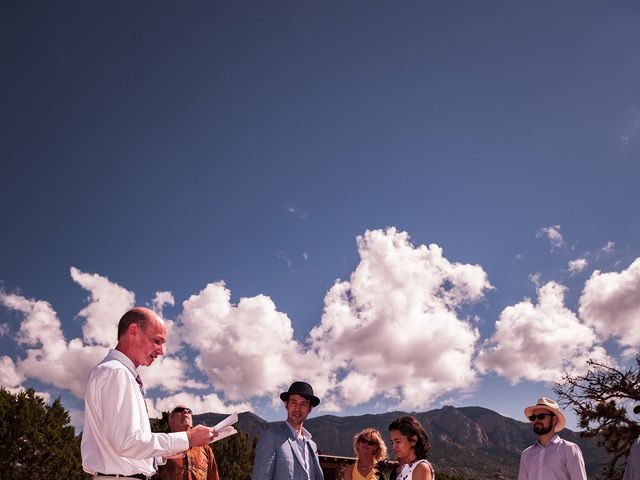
(117, 436)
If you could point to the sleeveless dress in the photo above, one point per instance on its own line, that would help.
(355, 474)
(407, 470)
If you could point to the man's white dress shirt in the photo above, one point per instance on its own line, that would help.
(559, 460)
(117, 436)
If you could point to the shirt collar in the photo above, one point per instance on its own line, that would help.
(123, 359)
(304, 433)
(554, 439)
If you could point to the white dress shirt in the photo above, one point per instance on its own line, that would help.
(302, 439)
(559, 460)
(117, 436)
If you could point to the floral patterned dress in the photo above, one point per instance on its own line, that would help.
(407, 470)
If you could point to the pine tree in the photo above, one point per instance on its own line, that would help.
(597, 398)
(37, 440)
(234, 456)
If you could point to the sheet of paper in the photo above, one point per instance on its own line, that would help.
(224, 433)
(230, 420)
(224, 428)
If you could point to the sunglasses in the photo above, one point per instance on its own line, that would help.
(540, 416)
(371, 443)
(182, 410)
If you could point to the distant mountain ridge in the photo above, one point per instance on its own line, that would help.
(473, 442)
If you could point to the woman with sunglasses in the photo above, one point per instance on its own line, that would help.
(410, 443)
(370, 449)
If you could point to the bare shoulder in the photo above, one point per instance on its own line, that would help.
(422, 472)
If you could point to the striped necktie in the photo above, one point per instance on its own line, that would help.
(144, 396)
(140, 384)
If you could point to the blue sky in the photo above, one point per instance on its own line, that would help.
(383, 198)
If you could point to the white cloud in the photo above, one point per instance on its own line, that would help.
(49, 358)
(540, 342)
(197, 403)
(169, 374)
(608, 248)
(610, 303)
(577, 265)
(535, 278)
(9, 376)
(394, 325)
(4, 329)
(246, 349)
(108, 302)
(357, 388)
(553, 234)
(160, 300)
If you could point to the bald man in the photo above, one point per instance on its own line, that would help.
(197, 463)
(117, 441)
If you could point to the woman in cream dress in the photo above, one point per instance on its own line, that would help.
(410, 443)
(370, 449)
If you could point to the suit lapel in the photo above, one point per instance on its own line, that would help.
(296, 452)
(295, 449)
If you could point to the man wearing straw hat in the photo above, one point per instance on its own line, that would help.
(551, 457)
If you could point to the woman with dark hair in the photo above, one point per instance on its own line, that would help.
(370, 449)
(410, 443)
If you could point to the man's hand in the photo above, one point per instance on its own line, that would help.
(201, 435)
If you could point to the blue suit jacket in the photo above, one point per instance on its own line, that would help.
(278, 456)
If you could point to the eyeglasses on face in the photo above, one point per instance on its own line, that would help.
(182, 410)
(371, 443)
(540, 416)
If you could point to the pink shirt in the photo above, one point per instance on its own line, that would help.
(559, 460)
(632, 472)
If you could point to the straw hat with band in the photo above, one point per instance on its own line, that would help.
(552, 407)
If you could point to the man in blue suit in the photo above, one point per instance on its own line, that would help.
(285, 450)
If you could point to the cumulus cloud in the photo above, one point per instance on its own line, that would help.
(107, 303)
(197, 403)
(540, 342)
(53, 360)
(160, 300)
(553, 234)
(535, 278)
(9, 376)
(577, 265)
(246, 349)
(49, 358)
(610, 303)
(394, 326)
(169, 374)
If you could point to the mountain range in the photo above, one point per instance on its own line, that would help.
(470, 442)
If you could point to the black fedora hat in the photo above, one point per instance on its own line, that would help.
(304, 390)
